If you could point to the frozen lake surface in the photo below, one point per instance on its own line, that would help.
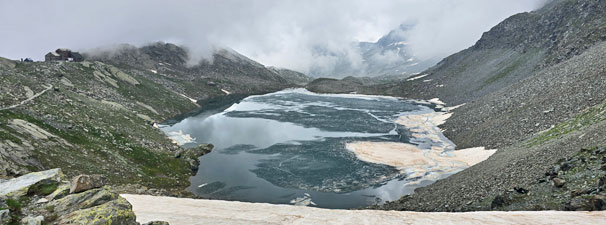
(289, 146)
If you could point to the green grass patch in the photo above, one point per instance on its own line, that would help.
(72, 138)
(7, 136)
(503, 73)
(13, 205)
(43, 189)
(591, 116)
(161, 169)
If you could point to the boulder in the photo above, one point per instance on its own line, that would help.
(82, 183)
(520, 190)
(87, 199)
(599, 202)
(178, 153)
(558, 182)
(20, 186)
(116, 212)
(29, 220)
(498, 201)
(579, 204)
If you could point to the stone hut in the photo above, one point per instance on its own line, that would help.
(63, 54)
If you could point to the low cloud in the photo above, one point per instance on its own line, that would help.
(283, 33)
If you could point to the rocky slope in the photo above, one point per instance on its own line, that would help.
(351, 84)
(532, 87)
(97, 116)
(292, 76)
(330, 85)
(168, 64)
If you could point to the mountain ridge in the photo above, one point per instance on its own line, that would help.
(531, 87)
(99, 116)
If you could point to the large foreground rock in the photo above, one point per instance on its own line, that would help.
(20, 186)
(117, 212)
(87, 199)
(44, 198)
(32, 220)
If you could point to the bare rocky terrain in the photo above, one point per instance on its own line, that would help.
(533, 88)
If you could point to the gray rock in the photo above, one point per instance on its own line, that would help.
(579, 204)
(19, 186)
(82, 183)
(178, 153)
(29, 220)
(5, 216)
(87, 199)
(62, 191)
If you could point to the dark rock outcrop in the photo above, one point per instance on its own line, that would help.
(192, 155)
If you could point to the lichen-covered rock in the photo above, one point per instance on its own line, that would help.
(117, 212)
(29, 220)
(60, 192)
(87, 199)
(20, 186)
(82, 183)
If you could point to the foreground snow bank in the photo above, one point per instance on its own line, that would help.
(196, 211)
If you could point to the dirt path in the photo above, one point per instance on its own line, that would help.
(195, 211)
(28, 99)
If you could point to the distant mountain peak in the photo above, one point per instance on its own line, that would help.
(388, 56)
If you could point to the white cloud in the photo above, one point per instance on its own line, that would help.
(275, 32)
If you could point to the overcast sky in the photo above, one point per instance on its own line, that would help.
(273, 32)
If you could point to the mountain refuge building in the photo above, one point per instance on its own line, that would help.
(63, 54)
